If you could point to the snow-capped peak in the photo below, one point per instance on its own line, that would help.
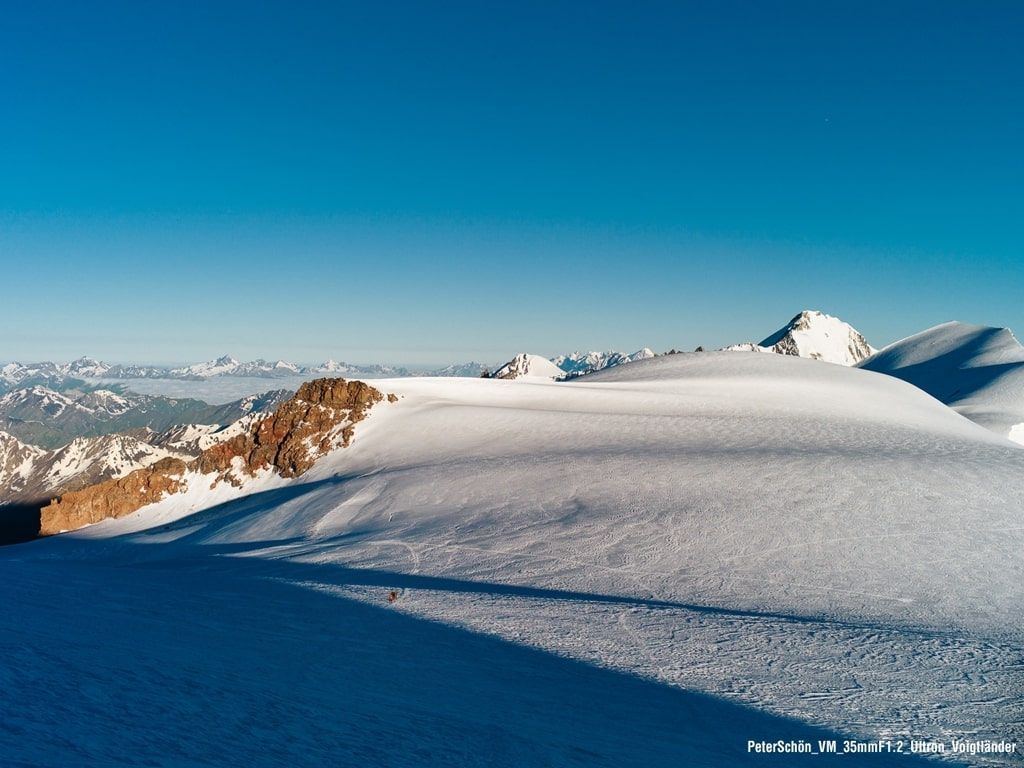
(526, 365)
(816, 335)
(330, 365)
(579, 363)
(220, 366)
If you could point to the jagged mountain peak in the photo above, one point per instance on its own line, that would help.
(579, 363)
(525, 365)
(813, 334)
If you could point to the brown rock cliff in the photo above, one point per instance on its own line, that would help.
(319, 418)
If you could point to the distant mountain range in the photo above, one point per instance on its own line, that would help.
(55, 442)
(49, 418)
(579, 363)
(809, 334)
(972, 368)
(14, 374)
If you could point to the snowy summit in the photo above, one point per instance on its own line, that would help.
(529, 366)
(815, 335)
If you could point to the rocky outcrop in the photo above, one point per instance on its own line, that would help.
(113, 498)
(320, 417)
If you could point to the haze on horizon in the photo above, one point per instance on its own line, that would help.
(417, 184)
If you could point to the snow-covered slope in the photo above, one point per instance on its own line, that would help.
(579, 363)
(187, 438)
(18, 461)
(647, 566)
(815, 335)
(976, 370)
(229, 366)
(529, 366)
(85, 461)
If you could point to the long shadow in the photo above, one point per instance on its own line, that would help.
(231, 559)
(194, 548)
(221, 558)
(185, 666)
(19, 522)
(344, 682)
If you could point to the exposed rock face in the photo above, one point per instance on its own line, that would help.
(112, 498)
(319, 418)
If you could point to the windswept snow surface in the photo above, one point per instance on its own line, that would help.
(975, 369)
(645, 567)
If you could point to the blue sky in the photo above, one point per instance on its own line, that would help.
(426, 182)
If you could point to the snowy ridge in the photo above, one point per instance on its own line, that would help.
(976, 370)
(814, 335)
(186, 438)
(47, 402)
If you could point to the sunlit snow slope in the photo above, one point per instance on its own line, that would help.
(977, 370)
(646, 566)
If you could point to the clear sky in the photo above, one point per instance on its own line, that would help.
(427, 182)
